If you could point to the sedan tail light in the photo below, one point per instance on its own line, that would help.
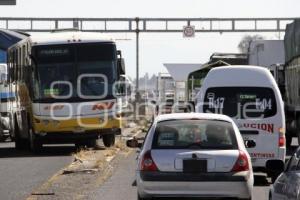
(242, 163)
(148, 163)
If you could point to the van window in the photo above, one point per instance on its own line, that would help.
(240, 102)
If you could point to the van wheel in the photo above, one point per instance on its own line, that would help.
(274, 177)
(270, 196)
(140, 198)
(35, 143)
(108, 140)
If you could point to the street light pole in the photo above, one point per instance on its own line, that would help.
(137, 95)
(137, 54)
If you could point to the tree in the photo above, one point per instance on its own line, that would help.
(246, 41)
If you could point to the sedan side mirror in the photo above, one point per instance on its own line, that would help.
(133, 143)
(250, 143)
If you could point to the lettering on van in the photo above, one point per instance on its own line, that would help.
(103, 106)
(265, 127)
(262, 155)
(56, 107)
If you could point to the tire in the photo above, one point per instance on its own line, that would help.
(274, 177)
(298, 139)
(20, 143)
(12, 133)
(140, 198)
(108, 140)
(35, 143)
(270, 196)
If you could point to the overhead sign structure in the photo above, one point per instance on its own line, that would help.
(189, 31)
(8, 2)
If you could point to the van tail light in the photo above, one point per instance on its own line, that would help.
(148, 163)
(242, 163)
(281, 140)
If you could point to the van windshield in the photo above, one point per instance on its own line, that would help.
(241, 102)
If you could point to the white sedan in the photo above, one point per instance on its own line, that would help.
(193, 155)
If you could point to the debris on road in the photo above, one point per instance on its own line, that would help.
(89, 169)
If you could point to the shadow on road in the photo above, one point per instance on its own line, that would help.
(8, 151)
(261, 180)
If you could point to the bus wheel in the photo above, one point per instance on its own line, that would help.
(108, 140)
(35, 144)
(20, 143)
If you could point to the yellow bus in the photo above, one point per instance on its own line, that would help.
(66, 91)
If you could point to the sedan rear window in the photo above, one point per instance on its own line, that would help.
(194, 134)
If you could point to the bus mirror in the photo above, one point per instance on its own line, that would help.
(121, 66)
(33, 59)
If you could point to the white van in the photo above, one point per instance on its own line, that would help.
(250, 96)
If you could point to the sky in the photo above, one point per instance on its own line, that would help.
(159, 48)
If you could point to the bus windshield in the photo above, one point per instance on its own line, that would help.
(241, 102)
(75, 71)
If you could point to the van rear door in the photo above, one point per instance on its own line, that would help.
(254, 109)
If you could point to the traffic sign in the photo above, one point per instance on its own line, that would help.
(8, 2)
(189, 31)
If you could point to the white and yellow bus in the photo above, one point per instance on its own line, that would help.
(65, 85)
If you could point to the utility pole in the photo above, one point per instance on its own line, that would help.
(137, 94)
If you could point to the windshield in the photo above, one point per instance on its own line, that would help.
(77, 71)
(241, 102)
(194, 134)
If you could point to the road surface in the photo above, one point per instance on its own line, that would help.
(22, 172)
(121, 186)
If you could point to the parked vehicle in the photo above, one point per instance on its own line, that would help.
(251, 97)
(287, 185)
(292, 77)
(6, 109)
(193, 155)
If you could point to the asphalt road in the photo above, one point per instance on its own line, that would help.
(121, 186)
(22, 172)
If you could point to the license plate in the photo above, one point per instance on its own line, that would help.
(195, 166)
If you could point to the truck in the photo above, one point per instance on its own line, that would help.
(292, 80)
